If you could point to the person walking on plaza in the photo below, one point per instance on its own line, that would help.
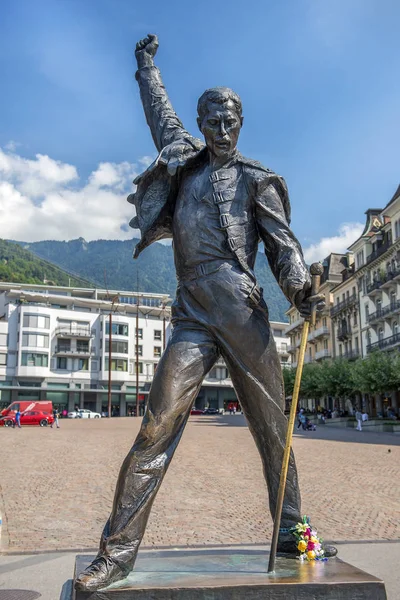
(55, 416)
(359, 420)
(299, 418)
(18, 419)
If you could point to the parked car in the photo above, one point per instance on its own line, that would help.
(84, 413)
(29, 417)
(211, 411)
(28, 405)
(196, 411)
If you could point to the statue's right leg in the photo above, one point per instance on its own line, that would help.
(190, 354)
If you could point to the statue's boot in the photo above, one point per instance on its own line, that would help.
(287, 545)
(101, 573)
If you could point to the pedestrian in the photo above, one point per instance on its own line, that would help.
(359, 420)
(55, 417)
(18, 419)
(303, 421)
(299, 419)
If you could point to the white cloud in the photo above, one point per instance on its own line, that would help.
(43, 198)
(347, 234)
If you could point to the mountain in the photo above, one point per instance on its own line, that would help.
(109, 264)
(18, 265)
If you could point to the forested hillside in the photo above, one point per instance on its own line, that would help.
(22, 266)
(109, 264)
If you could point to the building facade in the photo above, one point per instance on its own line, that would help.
(320, 344)
(55, 345)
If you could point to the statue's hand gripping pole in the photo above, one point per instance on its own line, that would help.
(316, 271)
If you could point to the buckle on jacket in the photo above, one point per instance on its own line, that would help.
(232, 244)
(200, 270)
(255, 294)
(224, 220)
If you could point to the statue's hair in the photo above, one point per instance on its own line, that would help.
(218, 95)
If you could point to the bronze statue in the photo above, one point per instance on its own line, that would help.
(217, 205)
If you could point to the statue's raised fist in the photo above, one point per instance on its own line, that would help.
(147, 45)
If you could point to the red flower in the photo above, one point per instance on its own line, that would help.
(310, 546)
(308, 532)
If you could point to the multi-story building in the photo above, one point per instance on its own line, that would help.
(377, 272)
(345, 315)
(319, 343)
(54, 345)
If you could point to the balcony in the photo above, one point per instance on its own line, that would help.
(347, 303)
(291, 349)
(323, 354)
(383, 313)
(74, 331)
(385, 343)
(351, 355)
(293, 326)
(60, 351)
(343, 333)
(283, 349)
(374, 288)
(321, 332)
(378, 252)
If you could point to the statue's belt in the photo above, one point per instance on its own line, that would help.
(207, 268)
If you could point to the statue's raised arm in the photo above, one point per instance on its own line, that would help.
(164, 124)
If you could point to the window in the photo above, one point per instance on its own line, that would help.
(139, 350)
(117, 364)
(3, 339)
(340, 350)
(355, 318)
(34, 359)
(36, 321)
(380, 334)
(140, 368)
(62, 362)
(325, 344)
(277, 332)
(157, 351)
(395, 328)
(360, 259)
(139, 334)
(356, 343)
(35, 340)
(83, 364)
(3, 360)
(157, 335)
(324, 322)
(64, 346)
(117, 346)
(366, 311)
(117, 328)
(82, 346)
(397, 229)
(155, 367)
(353, 292)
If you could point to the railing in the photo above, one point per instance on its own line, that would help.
(381, 313)
(343, 333)
(378, 252)
(74, 331)
(323, 354)
(384, 343)
(344, 304)
(351, 355)
(375, 285)
(282, 348)
(294, 325)
(324, 330)
(73, 352)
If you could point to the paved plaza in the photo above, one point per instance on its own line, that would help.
(57, 485)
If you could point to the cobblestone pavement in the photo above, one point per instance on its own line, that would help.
(57, 485)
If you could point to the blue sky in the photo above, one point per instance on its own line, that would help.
(319, 83)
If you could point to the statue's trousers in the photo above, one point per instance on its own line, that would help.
(212, 316)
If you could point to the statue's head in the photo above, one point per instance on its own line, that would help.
(220, 120)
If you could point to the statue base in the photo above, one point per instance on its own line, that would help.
(234, 574)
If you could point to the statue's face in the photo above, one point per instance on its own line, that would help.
(221, 127)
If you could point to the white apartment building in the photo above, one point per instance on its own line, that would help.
(54, 345)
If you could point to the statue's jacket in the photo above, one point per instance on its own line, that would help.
(252, 201)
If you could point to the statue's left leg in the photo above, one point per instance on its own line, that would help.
(248, 347)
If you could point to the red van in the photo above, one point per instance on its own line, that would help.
(45, 406)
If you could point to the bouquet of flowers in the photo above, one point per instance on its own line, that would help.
(308, 543)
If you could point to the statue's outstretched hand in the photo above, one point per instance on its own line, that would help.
(145, 50)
